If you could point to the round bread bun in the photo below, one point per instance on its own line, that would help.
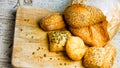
(52, 22)
(75, 48)
(79, 15)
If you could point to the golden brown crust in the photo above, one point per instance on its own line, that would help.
(95, 35)
(57, 40)
(75, 48)
(110, 56)
(79, 15)
(52, 22)
(76, 16)
(94, 57)
(99, 57)
(97, 15)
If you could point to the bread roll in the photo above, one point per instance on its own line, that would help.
(57, 40)
(94, 35)
(52, 22)
(94, 57)
(79, 15)
(75, 48)
(76, 16)
(99, 57)
(110, 56)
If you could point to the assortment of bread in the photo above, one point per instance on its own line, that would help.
(87, 38)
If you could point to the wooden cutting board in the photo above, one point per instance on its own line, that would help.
(31, 49)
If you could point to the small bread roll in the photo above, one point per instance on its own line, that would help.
(75, 48)
(52, 22)
(99, 57)
(57, 40)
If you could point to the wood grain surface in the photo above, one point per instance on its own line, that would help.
(31, 47)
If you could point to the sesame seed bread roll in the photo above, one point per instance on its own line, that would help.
(94, 57)
(79, 15)
(99, 57)
(52, 22)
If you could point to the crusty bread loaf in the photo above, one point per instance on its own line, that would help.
(79, 15)
(87, 22)
(52, 22)
(99, 57)
(75, 48)
(94, 35)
